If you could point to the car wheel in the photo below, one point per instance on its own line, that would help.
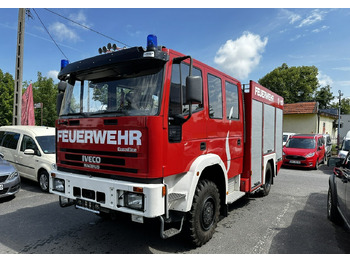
(316, 165)
(44, 180)
(204, 213)
(332, 210)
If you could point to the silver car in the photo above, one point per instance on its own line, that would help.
(10, 181)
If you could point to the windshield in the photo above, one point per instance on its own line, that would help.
(345, 145)
(47, 144)
(306, 143)
(129, 96)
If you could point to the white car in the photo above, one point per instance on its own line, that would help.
(31, 149)
(286, 136)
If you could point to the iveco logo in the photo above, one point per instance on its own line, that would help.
(92, 159)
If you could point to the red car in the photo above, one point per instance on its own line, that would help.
(304, 151)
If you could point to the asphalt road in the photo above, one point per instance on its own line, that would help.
(290, 220)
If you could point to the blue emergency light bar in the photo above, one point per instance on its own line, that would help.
(152, 42)
(64, 63)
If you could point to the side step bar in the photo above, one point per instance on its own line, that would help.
(164, 234)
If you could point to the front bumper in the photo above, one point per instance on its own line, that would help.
(96, 193)
(308, 162)
(11, 187)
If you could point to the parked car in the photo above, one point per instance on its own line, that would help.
(304, 151)
(10, 181)
(286, 136)
(31, 149)
(328, 145)
(345, 146)
(338, 203)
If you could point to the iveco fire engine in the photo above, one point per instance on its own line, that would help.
(155, 133)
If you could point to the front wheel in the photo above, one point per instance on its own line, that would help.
(44, 181)
(332, 211)
(204, 214)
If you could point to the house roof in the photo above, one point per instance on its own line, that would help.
(301, 108)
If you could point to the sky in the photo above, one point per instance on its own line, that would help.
(246, 43)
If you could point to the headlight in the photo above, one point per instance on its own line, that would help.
(58, 184)
(53, 166)
(13, 175)
(134, 201)
(310, 155)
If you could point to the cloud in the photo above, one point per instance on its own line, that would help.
(322, 28)
(62, 33)
(239, 57)
(342, 68)
(315, 16)
(80, 18)
(293, 18)
(324, 80)
(53, 74)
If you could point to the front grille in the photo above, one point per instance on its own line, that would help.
(3, 178)
(102, 163)
(300, 158)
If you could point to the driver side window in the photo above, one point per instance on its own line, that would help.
(177, 98)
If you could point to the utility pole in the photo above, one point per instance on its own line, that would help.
(17, 101)
(339, 106)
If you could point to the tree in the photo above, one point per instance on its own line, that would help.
(45, 91)
(344, 106)
(324, 97)
(6, 98)
(294, 84)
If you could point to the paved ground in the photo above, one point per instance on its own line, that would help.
(290, 220)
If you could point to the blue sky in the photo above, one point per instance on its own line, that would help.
(243, 42)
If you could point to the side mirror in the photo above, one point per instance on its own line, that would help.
(29, 152)
(1, 155)
(194, 90)
(335, 162)
(62, 85)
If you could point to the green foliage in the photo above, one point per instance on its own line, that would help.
(344, 106)
(45, 91)
(6, 98)
(294, 84)
(324, 97)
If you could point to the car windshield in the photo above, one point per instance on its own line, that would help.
(306, 143)
(47, 144)
(345, 145)
(124, 96)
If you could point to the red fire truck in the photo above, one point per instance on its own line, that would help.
(154, 133)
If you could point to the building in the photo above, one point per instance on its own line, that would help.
(307, 118)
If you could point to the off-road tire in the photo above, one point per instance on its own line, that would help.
(266, 187)
(204, 214)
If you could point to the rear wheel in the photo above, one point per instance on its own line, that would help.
(265, 189)
(204, 213)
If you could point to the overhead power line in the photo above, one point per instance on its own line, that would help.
(86, 27)
(47, 31)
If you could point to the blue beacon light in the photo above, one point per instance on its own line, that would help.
(64, 63)
(151, 42)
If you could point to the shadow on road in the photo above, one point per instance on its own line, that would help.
(307, 225)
